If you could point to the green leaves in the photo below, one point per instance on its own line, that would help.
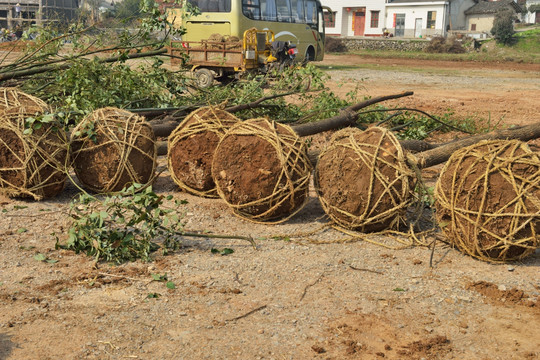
(169, 284)
(123, 227)
(158, 277)
(222, 252)
(44, 258)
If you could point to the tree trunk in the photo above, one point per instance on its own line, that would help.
(347, 117)
(443, 152)
(38, 70)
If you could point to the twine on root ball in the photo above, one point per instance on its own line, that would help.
(363, 180)
(488, 200)
(113, 148)
(191, 149)
(33, 160)
(261, 169)
(11, 97)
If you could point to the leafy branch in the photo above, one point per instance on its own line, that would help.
(127, 226)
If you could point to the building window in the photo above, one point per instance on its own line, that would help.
(375, 19)
(431, 16)
(330, 19)
(473, 27)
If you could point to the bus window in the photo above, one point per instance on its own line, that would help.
(311, 12)
(268, 10)
(283, 10)
(212, 5)
(298, 14)
(251, 9)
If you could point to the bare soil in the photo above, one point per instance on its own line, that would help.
(316, 298)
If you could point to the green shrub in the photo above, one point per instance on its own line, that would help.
(503, 27)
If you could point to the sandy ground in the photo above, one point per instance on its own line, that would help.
(298, 299)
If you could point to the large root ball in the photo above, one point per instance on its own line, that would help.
(363, 180)
(261, 169)
(488, 200)
(33, 159)
(191, 149)
(113, 148)
(11, 97)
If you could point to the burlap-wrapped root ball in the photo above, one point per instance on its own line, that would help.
(191, 149)
(488, 200)
(363, 180)
(113, 148)
(33, 160)
(11, 97)
(261, 169)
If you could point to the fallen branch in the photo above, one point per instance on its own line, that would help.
(310, 285)
(247, 314)
(348, 116)
(17, 74)
(442, 153)
(368, 270)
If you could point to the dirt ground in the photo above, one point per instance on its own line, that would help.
(314, 297)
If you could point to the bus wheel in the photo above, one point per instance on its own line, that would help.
(204, 78)
(310, 55)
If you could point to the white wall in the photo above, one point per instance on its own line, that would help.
(413, 11)
(344, 18)
(530, 17)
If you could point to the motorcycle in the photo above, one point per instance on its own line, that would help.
(283, 54)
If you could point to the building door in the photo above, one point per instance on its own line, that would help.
(537, 17)
(400, 24)
(359, 22)
(418, 28)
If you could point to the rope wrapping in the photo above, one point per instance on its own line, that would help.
(261, 169)
(113, 148)
(31, 164)
(11, 97)
(191, 149)
(363, 180)
(488, 200)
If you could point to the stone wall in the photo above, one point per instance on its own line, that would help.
(355, 44)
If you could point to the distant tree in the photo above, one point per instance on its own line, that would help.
(503, 27)
(128, 9)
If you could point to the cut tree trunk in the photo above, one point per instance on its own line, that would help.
(442, 153)
(347, 117)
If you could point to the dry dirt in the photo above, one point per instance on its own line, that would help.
(287, 299)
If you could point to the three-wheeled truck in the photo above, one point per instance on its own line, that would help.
(221, 60)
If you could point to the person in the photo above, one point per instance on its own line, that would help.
(18, 32)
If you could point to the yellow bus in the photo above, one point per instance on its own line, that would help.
(299, 21)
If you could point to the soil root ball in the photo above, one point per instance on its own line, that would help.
(191, 149)
(488, 200)
(113, 148)
(11, 97)
(33, 161)
(363, 180)
(261, 169)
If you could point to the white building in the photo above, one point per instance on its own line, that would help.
(401, 18)
(418, 18)
(533, 12)
(356, 18)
